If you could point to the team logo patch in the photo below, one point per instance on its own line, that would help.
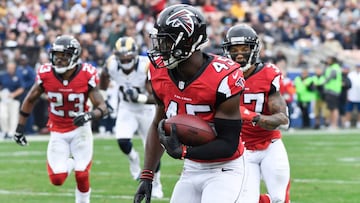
(184, 19)
(240, 82)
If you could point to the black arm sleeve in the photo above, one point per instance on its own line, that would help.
(225, 144)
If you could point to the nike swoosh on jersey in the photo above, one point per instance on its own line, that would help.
(226, 169)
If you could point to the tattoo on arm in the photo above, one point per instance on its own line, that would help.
(279, 113)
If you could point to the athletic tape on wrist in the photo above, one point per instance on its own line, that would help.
(142, 98)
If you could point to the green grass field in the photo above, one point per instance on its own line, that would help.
(325, 167)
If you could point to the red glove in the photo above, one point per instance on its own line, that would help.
(248, 115)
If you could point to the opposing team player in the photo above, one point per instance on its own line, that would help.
(68, 85)
(264, 111)
(136, 105)
(187, 81)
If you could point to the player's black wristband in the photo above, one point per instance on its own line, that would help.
(24, 114)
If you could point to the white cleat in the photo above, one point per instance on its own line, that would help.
(157, 187)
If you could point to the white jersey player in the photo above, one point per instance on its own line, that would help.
(136, 103)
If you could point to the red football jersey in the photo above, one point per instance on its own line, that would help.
(255, 98)
(287, 90)
(67, 98)
(216, 82)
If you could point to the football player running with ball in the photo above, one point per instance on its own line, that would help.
(68, 85)
(136, 104)
(264, 112)
(187, 81)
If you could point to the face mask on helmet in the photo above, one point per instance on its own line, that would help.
(242, 54)
(64, 53)
(242, 45)
(179, 31)
(163, 52)
(61, 62)
(126, 52)
(126, 63)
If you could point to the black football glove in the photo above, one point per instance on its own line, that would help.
(19, 136)
(145, 187)
(132, 94)
(82, 118)
(171, 142)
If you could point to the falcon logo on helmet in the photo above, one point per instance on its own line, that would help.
(184, 19)
(178, 32)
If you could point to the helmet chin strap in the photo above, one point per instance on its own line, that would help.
(248, 64)
(62, 70)
(246, 67)
(172, 62)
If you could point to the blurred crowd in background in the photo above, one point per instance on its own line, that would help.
(296, 35)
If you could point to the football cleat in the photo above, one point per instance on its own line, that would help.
(157, 187)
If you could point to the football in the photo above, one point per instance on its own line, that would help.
(191, 130)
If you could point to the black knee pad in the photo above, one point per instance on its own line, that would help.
(125, 145)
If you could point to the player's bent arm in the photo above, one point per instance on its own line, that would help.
(104, 79)
(153, 148)
(150, 97)
(228, 126)
(29, 102)
(100, 108)
(279, 113)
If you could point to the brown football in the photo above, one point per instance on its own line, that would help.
(191, 130)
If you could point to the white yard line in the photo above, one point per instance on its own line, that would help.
(351, 131)
(339, 182)
(68, 194)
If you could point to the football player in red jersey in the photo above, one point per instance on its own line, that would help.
(264, 111)
(68, 85)
(187, 81)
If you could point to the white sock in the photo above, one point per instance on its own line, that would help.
(157, 177)
(133, 154)
(82, 197)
